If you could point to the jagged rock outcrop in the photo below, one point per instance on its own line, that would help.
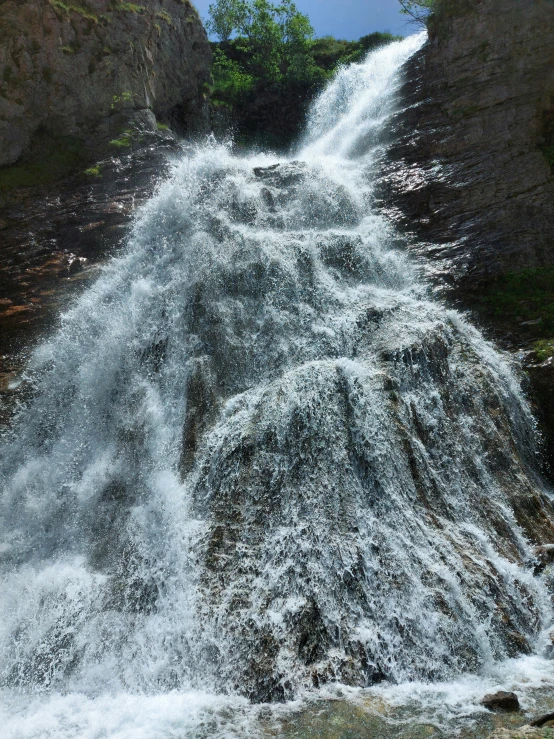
(79, 68)
(470, 169)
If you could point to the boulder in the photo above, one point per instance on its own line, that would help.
(501, 701)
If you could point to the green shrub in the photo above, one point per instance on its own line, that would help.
(230, 82)
(118, 101)
(95, 171)
(544, 349)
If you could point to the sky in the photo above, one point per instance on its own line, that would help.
(346, 19)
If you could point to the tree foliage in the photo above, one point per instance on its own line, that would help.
(277, 37)
(417, 10)
(267, 65)
(226, 16)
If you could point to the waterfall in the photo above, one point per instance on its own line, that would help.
(259, 458)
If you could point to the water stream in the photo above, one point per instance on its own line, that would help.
(264, 476)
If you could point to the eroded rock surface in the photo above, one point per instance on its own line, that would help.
(470, 167)
(70, 68)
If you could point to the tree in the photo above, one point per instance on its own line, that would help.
(417, 10)
(277, 38)
(297, 62)
(226, 17)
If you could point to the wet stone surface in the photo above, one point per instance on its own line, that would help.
(53, 239)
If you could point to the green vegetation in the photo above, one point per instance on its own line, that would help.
(544, 349)
(51, 159)
(418, 10)
(130, 8)
(433, 14)
(267, 65)
(118, 101)
(79, 9)
(123, 140)
(524, 301)
(162, 126)
(95, 171)
(330, 53)
(164, 15)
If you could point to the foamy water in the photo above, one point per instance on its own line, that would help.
(261, 466)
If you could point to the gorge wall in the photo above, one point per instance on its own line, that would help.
(471, 166)
(77, 69)
(470, 173)
(81, 86)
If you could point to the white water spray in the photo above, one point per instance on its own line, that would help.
(258, 459)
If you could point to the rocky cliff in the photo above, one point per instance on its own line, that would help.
(78, 68)
(469, 173)
(81, 86)
(471, 167)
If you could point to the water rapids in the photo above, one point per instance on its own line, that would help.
(259, 460)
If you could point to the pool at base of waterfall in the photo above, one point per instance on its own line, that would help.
(407, 711)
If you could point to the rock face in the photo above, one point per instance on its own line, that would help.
(78, 69)
(470, 168)
(54, 236)
(524, 732)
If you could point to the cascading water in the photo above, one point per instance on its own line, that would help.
(259, 460)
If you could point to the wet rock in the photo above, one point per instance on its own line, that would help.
(468, 169)
(523, 732)
(501, 701)
(545, 556)
(54, 237)
(546, 720)
(282, 175)
(541, 378)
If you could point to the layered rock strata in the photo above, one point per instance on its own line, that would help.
(470, 169)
